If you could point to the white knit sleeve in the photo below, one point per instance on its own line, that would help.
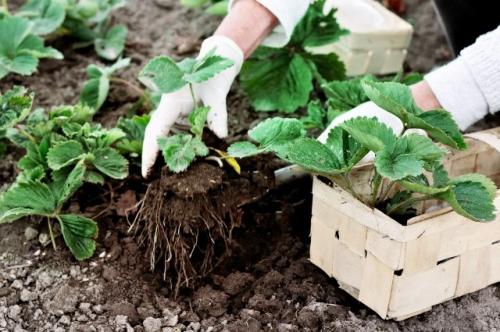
(469, 87)
(288, 13)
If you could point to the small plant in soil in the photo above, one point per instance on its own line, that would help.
(163, 75)
(64, 149)
(20, 49)
(404, 160)
(212, 7)
(281, 79)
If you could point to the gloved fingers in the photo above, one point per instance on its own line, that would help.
(217, 117)
(167, 113)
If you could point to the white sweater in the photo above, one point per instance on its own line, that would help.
(468, 87)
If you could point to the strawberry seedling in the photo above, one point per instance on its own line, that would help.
(163, 75)
(20, 49)
(281, 79)
(64, 149)
(399, 160)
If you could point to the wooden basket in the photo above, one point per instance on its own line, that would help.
(401, 271)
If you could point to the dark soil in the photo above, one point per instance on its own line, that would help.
(257, 275)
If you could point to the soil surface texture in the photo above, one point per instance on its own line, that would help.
(263, 280)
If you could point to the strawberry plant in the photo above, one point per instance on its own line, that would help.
(134, 129)
(163, 75)
(212, 7)
(399, 160)
(20, 49)
(282, 78)
(64, 149)
(95, 90)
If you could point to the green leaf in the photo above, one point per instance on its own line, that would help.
(328, 66)
(283, 83)
(470, 199)
(485, 181)
(392, 97)
(317, 28)
(162, 74)
(15, 105)
(33, 195)
(93, 177)
(345, 95)
(207, 68)
(73, 182)
(95, 90)
(396, 167)
(194, 3)
(46, 15)
(440, 176)
(311, 155)
(316, 116)
(64, 154)
(422, 147)
(443, 128)
(110, 163)
(179, 151)
(79, 234)
(243, 150)
(134, 129)
(218, 8)
(274, 133)
(19, 49)
(397, 99)
(112, 44)
(16, 213)
(197, 119)
(347, 150)
(371, 133)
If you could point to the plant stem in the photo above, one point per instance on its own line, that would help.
(52, 238)
(386, 193)
(376, 182)
(192, 94)
(407, 203)
(26, 134)
(134, 87)
(350, 187)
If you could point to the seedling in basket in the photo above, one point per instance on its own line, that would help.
(404, 161)
(164, 75)
(64, 149)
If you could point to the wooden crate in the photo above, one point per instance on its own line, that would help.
(401, 271)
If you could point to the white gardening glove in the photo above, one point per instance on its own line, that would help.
(370, 110)
(178, 104)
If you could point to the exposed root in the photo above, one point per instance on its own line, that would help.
(185, 222)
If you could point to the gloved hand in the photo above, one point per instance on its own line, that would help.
(177, 105)
(370, 110)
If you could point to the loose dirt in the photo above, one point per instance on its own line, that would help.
(259, 277)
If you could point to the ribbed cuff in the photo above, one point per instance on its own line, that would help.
(457, 91)
(483, 60)
(288, 13)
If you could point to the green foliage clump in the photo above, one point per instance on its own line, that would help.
(64, 150)
(212, 7)
(95, 90)
(20, 49)
(22, 32)
(403, 160)
(281, 79)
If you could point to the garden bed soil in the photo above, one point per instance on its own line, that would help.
(265, 282)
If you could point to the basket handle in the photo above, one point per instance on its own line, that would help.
(490, 137)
